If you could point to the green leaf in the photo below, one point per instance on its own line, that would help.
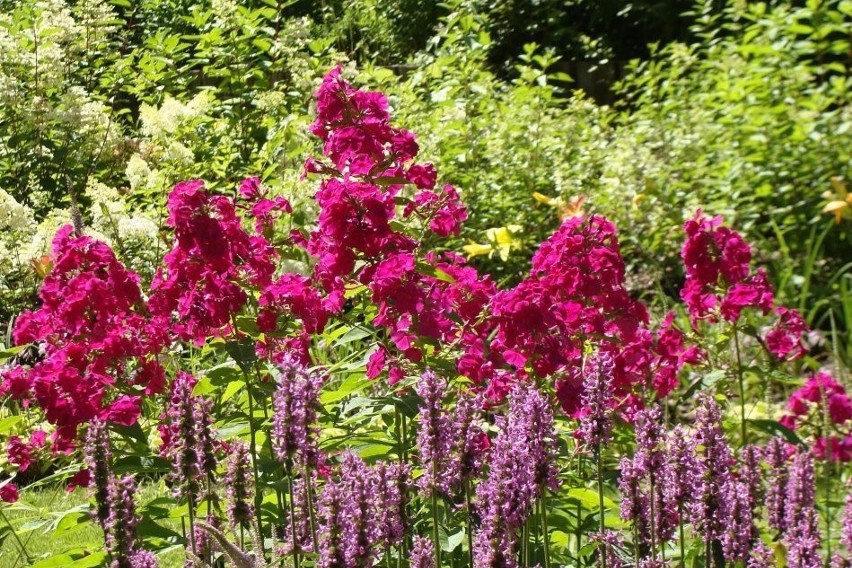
(233, 388)
(203, 386)
(9, 422)
(242, 352)
(775, 428)
(589, 499)
(71, 521)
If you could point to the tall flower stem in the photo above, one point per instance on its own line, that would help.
(741, 382)
(682, 538)
(469, 504)
(436, 542)
(258, 498)
(544, 528)
(599, 467)
(292, 506)
(309, 490)
(22, 546)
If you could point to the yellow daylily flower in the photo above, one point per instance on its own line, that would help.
(839, 201)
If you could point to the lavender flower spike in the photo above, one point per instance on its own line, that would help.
(596, 423)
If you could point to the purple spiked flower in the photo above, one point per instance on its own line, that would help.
(239, 485)
(296, 402)
(143, 559)
(531, 422)
(348, 531)
(652, 461)
(846, 526)
(684, 471)
(802, 537)
(635, 504)
(189, 439)
(435, 436)
(761, 556)
(776, 458)
(465, 459)
(120, 527)
(521, 465)
(301, 520)
(389, 484)
(608, 542)
(737, 537)
(422, 553)
(98, 458)
(331, 529)
(596, 422)
(708, 511)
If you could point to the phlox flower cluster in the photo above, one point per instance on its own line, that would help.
(823, 395)
(94, 338)
(720, 282)
(201, 285)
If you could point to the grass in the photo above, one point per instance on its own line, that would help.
(50, 521)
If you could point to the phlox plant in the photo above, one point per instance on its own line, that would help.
(385, 403)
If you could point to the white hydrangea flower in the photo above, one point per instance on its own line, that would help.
(13, 215)
(138, 173)
(178, 153)
(39, 243)
(137, 227)
(107, 205)
(172, 114)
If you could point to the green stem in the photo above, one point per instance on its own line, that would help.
(469, 504)
(23, 547)
(741, 385)
(682, 539)
(309, 489)
(544, 529)
(292, 507)
(258, 500)
(601, 500)
(436, 542)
